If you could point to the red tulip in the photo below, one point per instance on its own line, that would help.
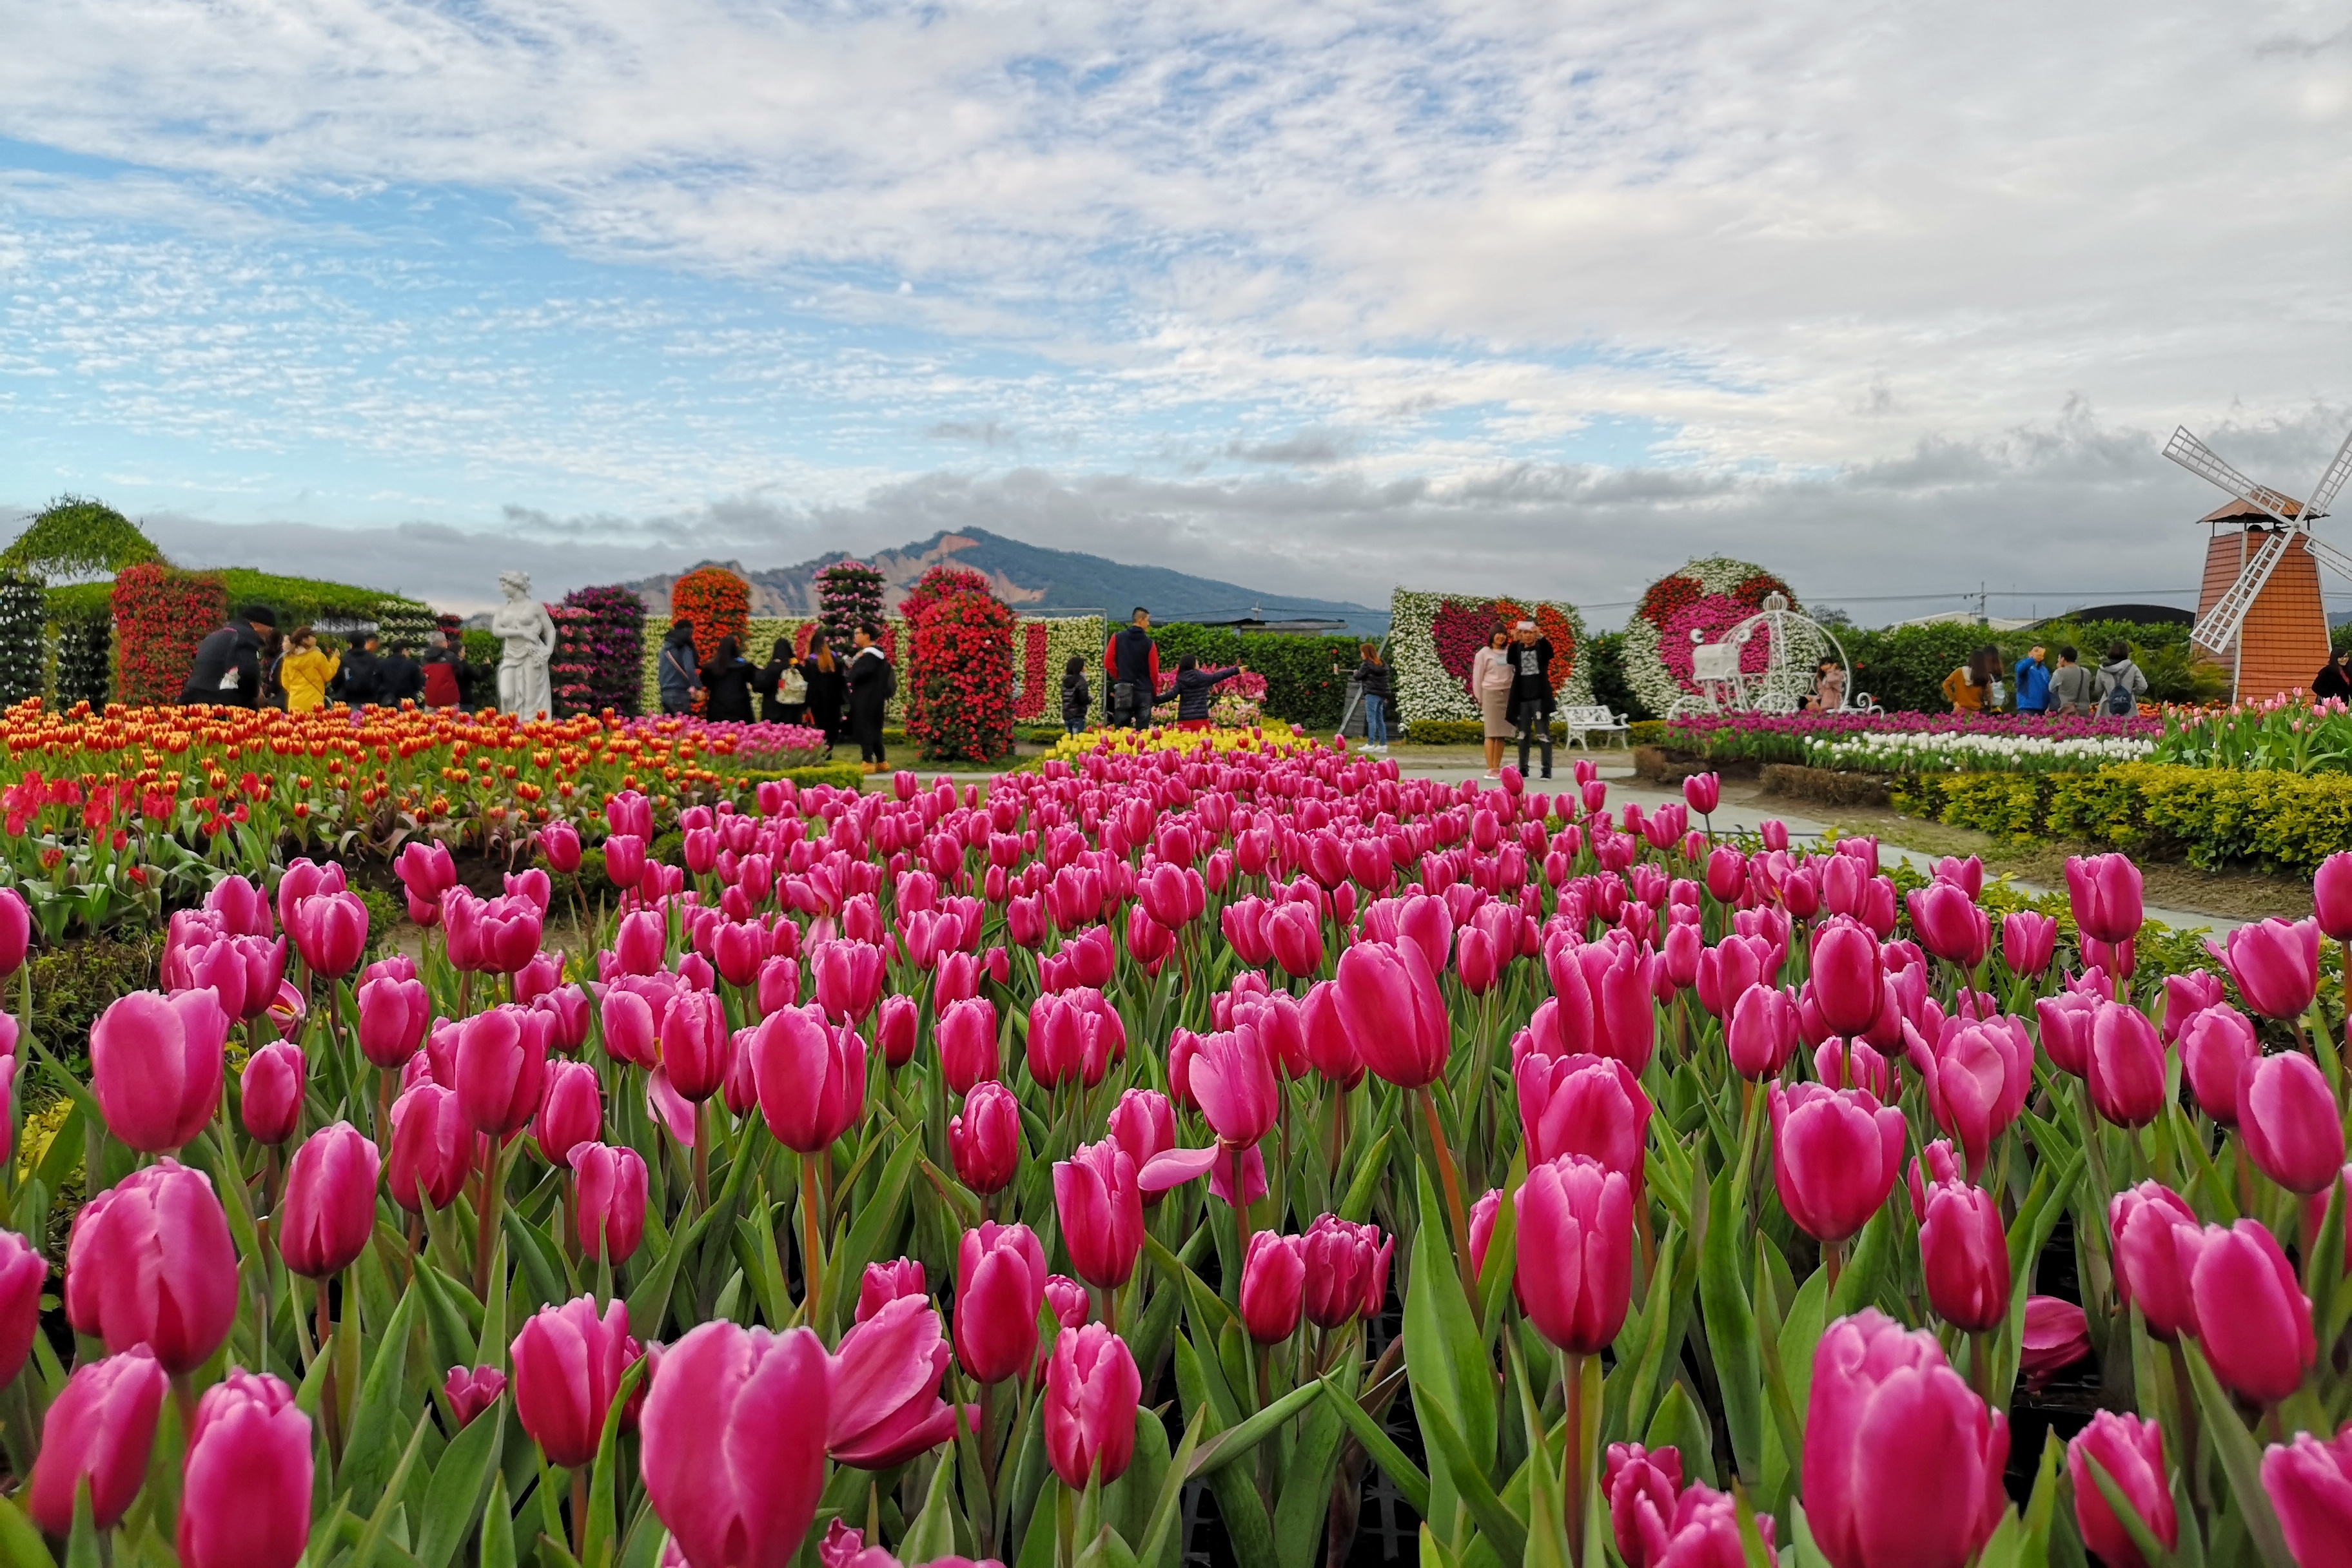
(270, 1101)
(1949, 925)
(1576, 1252)
(1979, 1074)
(1902, 1463)
(1847, 975)
(156, 1065)
(811, 1078)
(329, 1210)
(2289, 1123)
(1835, 1155)
(329, 930)
(1347, 1271)
(472, 1390)
(1092, 1389)
(150, 1262)
(2276, 965)
(1761, 1033)
(2125, 1065)
(886, 1405)
(1274, 1282)
(2104, 890)
(1394, 1012)
(733, 1450)
(1641, 1486)
(1583, 1105)
(1101, 1211)
(2252, 1316)
(2131, 1451)
(2309, 1482)
(567, 1364)
(986, 1139)
(432, 1148)
(611, 1187)
(244, 1500)
(1965, 1254)
(999, 1285)
(100, 1429)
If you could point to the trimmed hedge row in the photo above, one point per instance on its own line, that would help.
(1305, 677)
(2209, 816)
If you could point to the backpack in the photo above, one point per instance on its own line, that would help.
(2119, 703)
(889, 680)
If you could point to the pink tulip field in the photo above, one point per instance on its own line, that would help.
(934, 1175)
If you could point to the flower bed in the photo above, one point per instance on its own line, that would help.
(919, 1177)
(1979, 754)
(1123, 742)
(1785, 736)
(2292, 733)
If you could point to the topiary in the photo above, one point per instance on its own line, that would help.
(85, 634)
(74, 537)
(23, 657)
(849, 594)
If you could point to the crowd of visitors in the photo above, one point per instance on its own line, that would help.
(845, 697)
(2033, 686)
(249, 663)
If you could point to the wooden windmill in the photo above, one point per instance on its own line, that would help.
(2260, 610)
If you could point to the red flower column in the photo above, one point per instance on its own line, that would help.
(160, 616)
(958, 681)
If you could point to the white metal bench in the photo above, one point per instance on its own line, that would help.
(1581, 723)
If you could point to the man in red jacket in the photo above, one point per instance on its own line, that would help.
(1131, 667)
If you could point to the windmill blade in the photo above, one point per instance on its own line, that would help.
(2202, 460)
(2331, 479)
(2218, 628)
(2328, 555)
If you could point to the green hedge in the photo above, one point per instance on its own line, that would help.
(1305, 677)
(2210, 816)
(1903, 667)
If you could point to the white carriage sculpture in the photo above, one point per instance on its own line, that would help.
(1794, 643)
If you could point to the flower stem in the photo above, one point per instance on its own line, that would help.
(811, 1264)
(1453, 1199)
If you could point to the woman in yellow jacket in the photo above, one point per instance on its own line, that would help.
(1973, 687)
(306, 671)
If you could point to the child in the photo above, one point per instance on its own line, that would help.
(1076, 699)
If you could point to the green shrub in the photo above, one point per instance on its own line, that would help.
(73, 982)
(1903, 667)
(1305, 677)
(1606, 650)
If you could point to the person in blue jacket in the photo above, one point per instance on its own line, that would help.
(1194, 684)
(2032, 677)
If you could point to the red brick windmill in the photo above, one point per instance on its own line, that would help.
(2260, 610)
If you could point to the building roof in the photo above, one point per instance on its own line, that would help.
(2236, 511)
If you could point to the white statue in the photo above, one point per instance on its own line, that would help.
(523, 623)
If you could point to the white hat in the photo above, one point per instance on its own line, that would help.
(1526, 626)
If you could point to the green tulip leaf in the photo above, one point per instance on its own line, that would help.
(1400, 1470)
(596, 1539)
(21, 1545)
(932, 1535)
(1731, 1325)
(453, 1502)
(1160, 1542)
(370, 1457)
(2242, 1462)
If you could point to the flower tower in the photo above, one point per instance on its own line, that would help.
(1685, 610)
(959, 686)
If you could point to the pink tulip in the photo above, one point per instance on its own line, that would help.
(967, 1041)
(99, 1430)
(1847, 972)
(2125, 1063)
(1949, 925)
(2028, 940)
(1394, 1014)
(1641, 1486)
(848, 978)
(394, 1016)
(2152, 1262)
(985, 1138)
(2106, 892)
(1902, 1463)
(1576, 1231)
(559, 846)
(2289, 1124)
(811, 1078)
(697, 1047)
(244, 1500)
(886, 1405)
(1761, 1033)
(1347, 1271)
(2217, 1046)
(1144, 1124)
(1583, 1105)
(1101, 1213)
(883, 1283)
(501, 1069)
(329, 1214)
(2252, 1316)
(16, 931)
(1232, 1079)
(22, 1274)
(2185, 996)
(150, 1262)
(628, 1020)
(1963, 1254)
(732, 1451)
(2275, 965)
(1979, 1074)
(329, 930)
(625, 859)
(1703, 793)
(2309, 1482)
(1296, 937)
(640, 940)
(156, 1065)
(2131, 1452)
(270, 1101)
(472, 1390)
(567, 1364)
(571, 1111)
(1835, 1155)
(1274, 1283)
(1092, 1389)
(432, 1148)
(611, 1187)
(999, 1285)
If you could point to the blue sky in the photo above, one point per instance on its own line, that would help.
(1323, 298)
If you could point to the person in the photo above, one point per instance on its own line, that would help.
(273, 658)
(822, 674)
(1372, 681)
(442, 663)
(1131, 672)
(728, 679)
(306, 671)
(355, 686)
(227, 668)
(2069, 683)
(2121, 684)
(1194, 684)
(870, 680)
(1075, 696)
(1970, 687)
(1531, 695)
(2334, 680)
(1490, 682)
(1829, 687)
(398, 677)
(677, 672)
(2033, 677)
(783, 690)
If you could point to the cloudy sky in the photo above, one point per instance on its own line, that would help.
(1893, 298)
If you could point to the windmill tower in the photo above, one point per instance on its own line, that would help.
(2259, 609)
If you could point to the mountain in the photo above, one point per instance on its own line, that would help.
(1033, 581)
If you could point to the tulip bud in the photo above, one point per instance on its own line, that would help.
(2288, 1121)
(1101, 1212)
(2252, 1317)
(2152, 1263)
(1965, 1254)
(1583, 1105)
(2309, 1482)
(2028, 942)
(156, 1066)
(999, 1285)
(734, 1440)
(884, 1283)
(330, 1209)
(2217, 1045)
(1347, 1271)
(100, 1429)
(2131, 1452)
(1144, 1124)
(1232, 1079)
(2125, 1065)
(16, 930)
(1846, 976)
(432, 1148)
(1576, 1252)
(329, 930)
(1949, 925)
(1835, 1155)
(1641, 1486)
(22, 1272)
(695, 1045)
(610, 1183)
(567, 1362)
(1762, 1032)
(1393, 1012)
(571, 1111)
(2105, 893)
(559, 846)
(394, 1016)
(270, 1101)
(472, 1390)
(244, 1500)
(501, 1069)
(1092, 1389)
(985, 1138)
(2275, 965)
(150, 1262)
(1274, 1277)
(811, 1078)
